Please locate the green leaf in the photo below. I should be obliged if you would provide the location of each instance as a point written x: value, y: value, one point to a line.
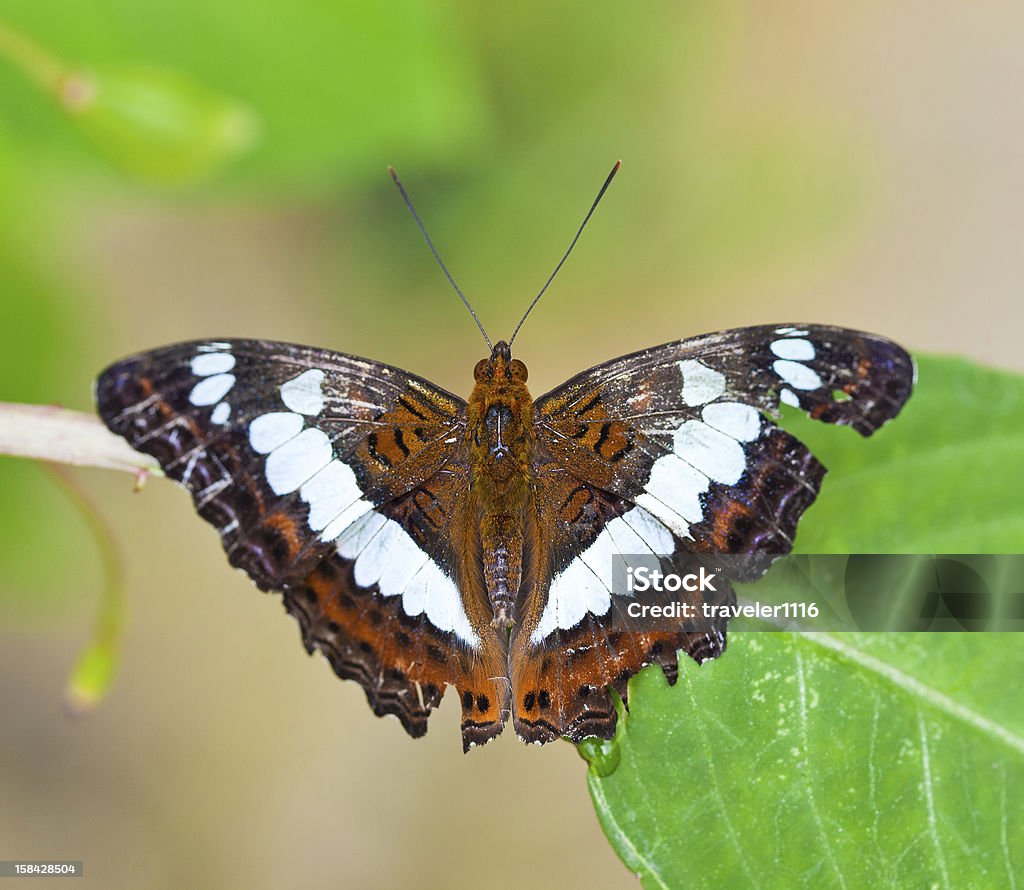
x: 157, y: 123
x: 339, y: 89
x: 824, y: 761
x: 893, y: 760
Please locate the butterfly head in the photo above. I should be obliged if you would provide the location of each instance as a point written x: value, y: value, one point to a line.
x: 500, y: 367
x: 499, y: 418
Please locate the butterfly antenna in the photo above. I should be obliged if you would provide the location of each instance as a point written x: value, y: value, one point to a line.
x: 561, y: 262
x: 433, y: 250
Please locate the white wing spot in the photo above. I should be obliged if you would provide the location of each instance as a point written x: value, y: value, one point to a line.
x: 211, y: 389
x: 624, y: 538
x: 665, y: 514
x: 677, y: 484
x: 794, y: 348
x: 788, y: 397
x: 598, y: 557
x: 585, y: 584
x: 575, y: 591
x: 658, y: 538
x: 329, y: 494
x: 298, y: 460
x: 387, y: 556
x: 303, y: 394
x: 635, y: 550
x: 417, y: 590
x: 742, y: 422
x: 208, y: 363
x: 405, y: 559
x: 701, y: 384
x: 221, y: 413
x: 374, y: 557
x: 713, y: 453
x: 270, y: 431
x: 359, y: 534
x: 797, y: 375
x: 343, y: 520
x: 433, y: 593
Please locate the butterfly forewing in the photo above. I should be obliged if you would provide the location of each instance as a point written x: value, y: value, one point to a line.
x: 687, y: 430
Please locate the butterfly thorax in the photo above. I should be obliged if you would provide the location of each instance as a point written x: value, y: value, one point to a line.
x: 501, y: 443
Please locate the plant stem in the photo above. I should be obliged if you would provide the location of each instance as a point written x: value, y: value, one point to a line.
x: 94, y: 672
x: 55, y: 434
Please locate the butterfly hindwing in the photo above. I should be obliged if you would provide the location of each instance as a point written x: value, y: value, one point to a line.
x: 394, y: 646
x: 577, y: 640
x: 334, y: 480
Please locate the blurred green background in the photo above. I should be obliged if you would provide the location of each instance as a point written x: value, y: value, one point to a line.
x: 219, y: 170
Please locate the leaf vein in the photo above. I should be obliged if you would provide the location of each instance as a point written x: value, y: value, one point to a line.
x: 915, y: 687
x: 719, y: 799
x: 929, y: 798
x: 825, y: 842
x: 1012, y: 882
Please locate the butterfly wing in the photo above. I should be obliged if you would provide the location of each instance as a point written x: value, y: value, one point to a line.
x: 673, y: 452
x: 337, y: 481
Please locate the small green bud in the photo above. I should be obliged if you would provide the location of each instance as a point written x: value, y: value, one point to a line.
x: 603, y: 755
x: 91, y: 678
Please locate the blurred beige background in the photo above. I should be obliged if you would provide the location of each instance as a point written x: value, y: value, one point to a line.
x: 225, y: 757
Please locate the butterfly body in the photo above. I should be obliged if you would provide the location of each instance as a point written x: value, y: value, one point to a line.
x: 501, y: 443
x: 423, y: 541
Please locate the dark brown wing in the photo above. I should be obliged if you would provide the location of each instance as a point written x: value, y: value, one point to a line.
x: 673, y: 450
x: 334, y: 480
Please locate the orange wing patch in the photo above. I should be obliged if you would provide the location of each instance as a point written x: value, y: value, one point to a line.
x: 403, y: 663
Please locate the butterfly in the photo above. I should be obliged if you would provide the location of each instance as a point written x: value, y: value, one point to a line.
x: 423, y: 541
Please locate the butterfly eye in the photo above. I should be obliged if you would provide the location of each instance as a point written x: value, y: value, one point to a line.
x: 480, y: 371
x: 519, y: 371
